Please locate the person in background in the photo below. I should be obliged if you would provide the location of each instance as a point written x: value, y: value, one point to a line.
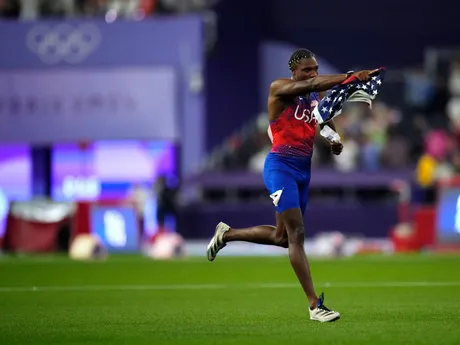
x: 433, y: 165
x: 138, y: 198
x: 395, y: 153
x: 166, y: 202
x: 10, y: 9
x: 34, y: 9
x: 91, y: 8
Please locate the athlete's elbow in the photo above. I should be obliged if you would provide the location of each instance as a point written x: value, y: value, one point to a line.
x: 315, y: 85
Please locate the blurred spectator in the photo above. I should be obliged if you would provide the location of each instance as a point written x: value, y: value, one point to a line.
x: 139, y: 197
x: 453, y: 105
x: 10, y: 8
x: 166, y: 201
x: 419, y: 89
x: 92, y: 7
x: 33, y: 9
x: 130, y: 9
x: 454, y: 79
x: 396, y: 152
x: 126, y: 8
x: 348, y: 160
x: 369, y: 154
x: 434, y: 164
x: 417, y: 129
x: 148, y: 6
x: 182, y: 6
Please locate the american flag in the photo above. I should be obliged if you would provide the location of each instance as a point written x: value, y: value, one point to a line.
x: 350, y: 90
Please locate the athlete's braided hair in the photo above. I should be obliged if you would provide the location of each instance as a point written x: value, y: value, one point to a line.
x: 299, y: 55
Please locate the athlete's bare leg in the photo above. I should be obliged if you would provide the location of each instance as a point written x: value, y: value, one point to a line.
x: 289, y: 233
x: 290, y: 223
x: 260, y: 234
x: 293, y: 221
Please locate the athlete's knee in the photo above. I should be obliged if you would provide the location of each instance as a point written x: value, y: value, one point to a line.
x: 295, y: 229
x: 281, y: 240
x: 297, y: 235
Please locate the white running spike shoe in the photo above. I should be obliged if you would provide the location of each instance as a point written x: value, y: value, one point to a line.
x: 217, y: 242
x: 322, y: 313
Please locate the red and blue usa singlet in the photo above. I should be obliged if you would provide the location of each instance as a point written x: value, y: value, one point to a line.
x: 294, y: 131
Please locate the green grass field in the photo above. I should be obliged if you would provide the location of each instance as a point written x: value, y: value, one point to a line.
x: 133, y: 300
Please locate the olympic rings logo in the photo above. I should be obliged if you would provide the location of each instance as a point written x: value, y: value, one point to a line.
x: 63, y: 42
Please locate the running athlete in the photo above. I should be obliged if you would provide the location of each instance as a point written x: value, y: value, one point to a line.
x: 287, y: 169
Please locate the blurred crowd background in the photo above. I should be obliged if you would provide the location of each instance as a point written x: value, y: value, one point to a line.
x: 423, y: 116
x: 411, y: 134
x: 126, y: 9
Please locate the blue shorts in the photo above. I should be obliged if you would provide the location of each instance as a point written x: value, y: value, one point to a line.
x: 287, y: 180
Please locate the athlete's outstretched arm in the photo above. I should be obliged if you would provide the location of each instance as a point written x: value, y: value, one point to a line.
x: 288, y: 87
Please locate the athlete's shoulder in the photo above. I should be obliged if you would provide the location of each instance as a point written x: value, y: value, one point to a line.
x: 278, y: 83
